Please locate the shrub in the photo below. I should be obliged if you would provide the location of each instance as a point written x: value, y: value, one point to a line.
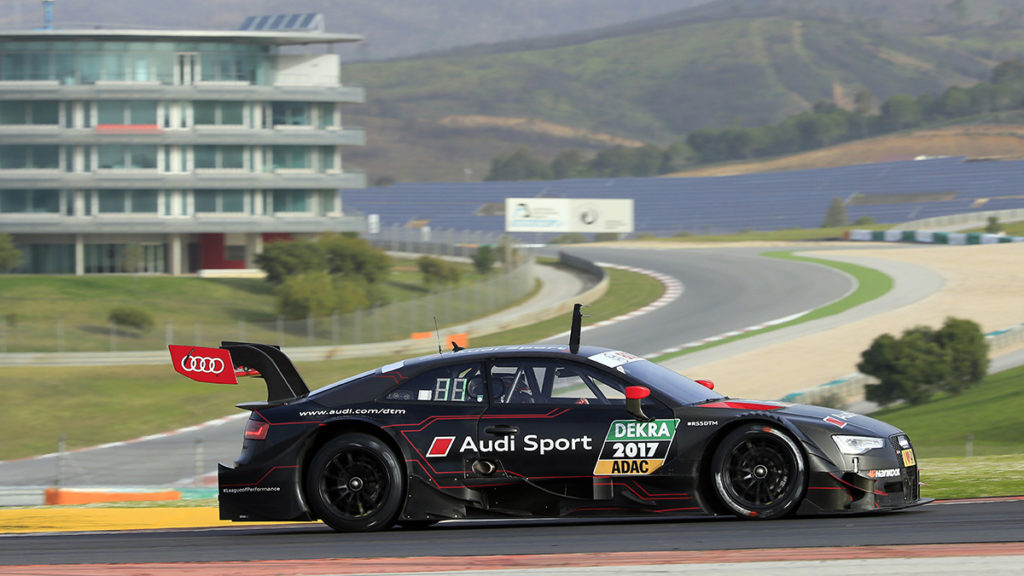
x: 437, y: 272
x: 993, y: 226
x: 131, y: 317
x: 317, y: 294
x: 483, y: 259
x: 281, y: 260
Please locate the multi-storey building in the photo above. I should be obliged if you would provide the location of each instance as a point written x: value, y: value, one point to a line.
x: 170, y: 151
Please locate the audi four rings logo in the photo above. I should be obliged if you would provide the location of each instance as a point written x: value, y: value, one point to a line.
x: 202, y: 364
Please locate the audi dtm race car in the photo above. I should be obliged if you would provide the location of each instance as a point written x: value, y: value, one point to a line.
x: 538, y: 431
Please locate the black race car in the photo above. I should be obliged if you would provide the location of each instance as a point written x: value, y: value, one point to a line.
x: 538, y: 431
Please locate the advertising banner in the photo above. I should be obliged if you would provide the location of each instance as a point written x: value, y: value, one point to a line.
x: 561, y: 215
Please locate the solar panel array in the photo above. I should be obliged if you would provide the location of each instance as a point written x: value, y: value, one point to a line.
x: 301, y: 22
x: 887, y: 192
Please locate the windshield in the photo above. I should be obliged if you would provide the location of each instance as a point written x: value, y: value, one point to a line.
x: 668, y: 382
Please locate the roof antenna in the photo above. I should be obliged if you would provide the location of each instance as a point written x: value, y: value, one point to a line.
x: 438, y: 334
x: 574, y: 331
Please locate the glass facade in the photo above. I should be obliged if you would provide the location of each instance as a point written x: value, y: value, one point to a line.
x: 89, y: 61
x: 30, y: 201
x: 22, y: 112
x: 29, y: 157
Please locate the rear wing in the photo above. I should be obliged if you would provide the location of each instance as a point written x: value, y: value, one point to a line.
x: 223, y: 365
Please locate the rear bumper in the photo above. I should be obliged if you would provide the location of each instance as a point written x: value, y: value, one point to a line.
x: 249, y: 494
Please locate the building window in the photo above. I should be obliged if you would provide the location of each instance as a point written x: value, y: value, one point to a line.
x: 291, y: 157
x: 326, y: 115
x: 128, y: 201
x: 290, y: 113
x: 226, y: 157
x: 21, y: 112
x: 291, y: 201
x: 327, y: 158
x: 220, y: 201
x: 122, y: 112
x: 29, y: 157
x: 120, y: 258
x: 30, y: 201
x: 120, y: 157
x: 217, y: 113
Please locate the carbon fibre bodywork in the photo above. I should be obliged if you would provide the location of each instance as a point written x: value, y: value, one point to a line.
x: 560, y: 441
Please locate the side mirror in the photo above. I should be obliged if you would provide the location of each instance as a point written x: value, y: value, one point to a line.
x: 634, y: 397
x: 707, y: 384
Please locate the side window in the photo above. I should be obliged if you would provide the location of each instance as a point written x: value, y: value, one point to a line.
x: 460, y: 383
x: 552, y: 382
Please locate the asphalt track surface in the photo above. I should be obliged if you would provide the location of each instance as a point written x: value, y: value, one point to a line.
x: 938, y: 523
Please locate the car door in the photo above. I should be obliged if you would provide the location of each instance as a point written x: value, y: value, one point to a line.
x: 548, y: 422
x: 443, y: 405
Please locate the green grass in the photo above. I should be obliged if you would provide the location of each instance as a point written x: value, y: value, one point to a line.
x: 94, y: 405
x: 992, y: 413
x: 972, y: 477
x: 36, y: 307
x: 871, y: 284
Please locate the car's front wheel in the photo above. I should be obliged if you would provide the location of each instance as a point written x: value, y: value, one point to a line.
x: 759, y: 472
x: 355, y: 483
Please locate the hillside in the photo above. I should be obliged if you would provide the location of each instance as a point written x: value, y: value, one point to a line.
x: 1000, y: 142
x: 726, y: 63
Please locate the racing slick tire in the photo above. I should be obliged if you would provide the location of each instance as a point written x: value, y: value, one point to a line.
x: 355, y: 484
x: 759, y: 472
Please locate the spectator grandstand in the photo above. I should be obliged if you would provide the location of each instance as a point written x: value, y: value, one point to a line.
x: 890, y: 192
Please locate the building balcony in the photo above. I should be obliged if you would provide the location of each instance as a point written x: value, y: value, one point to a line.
x: 155, y: 224
x: 54, y: 90
x: 154, y: 180
x: 200, y: 135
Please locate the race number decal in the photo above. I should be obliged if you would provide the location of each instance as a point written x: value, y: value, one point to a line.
x: 634, y: 448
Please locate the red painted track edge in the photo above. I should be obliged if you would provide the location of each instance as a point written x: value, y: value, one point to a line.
x: 532, y: 561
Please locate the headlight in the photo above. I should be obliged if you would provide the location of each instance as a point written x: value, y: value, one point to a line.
x: 858, y: 444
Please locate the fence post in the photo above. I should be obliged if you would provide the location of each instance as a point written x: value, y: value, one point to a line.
x: 169, y: 332
x: 198, y: 462
x: 62, y: 446
x: 309, y: 330
x: 113, y: 338
x: 197, y: 332
x: 241, y: 329
x: 334, y: 328
x: 3, y: 336
x: 969, y: 447
x: 280, y: 331
x: 60, y: 334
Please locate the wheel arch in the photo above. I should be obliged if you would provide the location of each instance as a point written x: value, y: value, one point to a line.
x: 329, y: 430
x: 705, y: 484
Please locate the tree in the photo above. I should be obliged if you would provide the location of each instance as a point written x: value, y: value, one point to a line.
x: 993, y: 226
x: 965, y: 343
x: 864, y: 102
x: 1008, y: 71
x: 318, y: 294
x: 349, y: 255
x: 10, y: 256
x: 900, y: 111
x: 836, y: 215
x: 520, y: 165
x: 568, y: 164
x: 925, y: 361
x: 437, y: 272
x: 483, y: 259
x: 281, y: 260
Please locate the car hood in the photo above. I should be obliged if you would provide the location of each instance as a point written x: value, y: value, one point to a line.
x: 838, y: 421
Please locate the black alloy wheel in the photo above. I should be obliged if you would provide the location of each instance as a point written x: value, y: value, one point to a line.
x: 759, y: 472
x: 355, y: 483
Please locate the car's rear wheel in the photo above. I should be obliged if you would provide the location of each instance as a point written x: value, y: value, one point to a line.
x: 355, y: 483
x: 759, y: 472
